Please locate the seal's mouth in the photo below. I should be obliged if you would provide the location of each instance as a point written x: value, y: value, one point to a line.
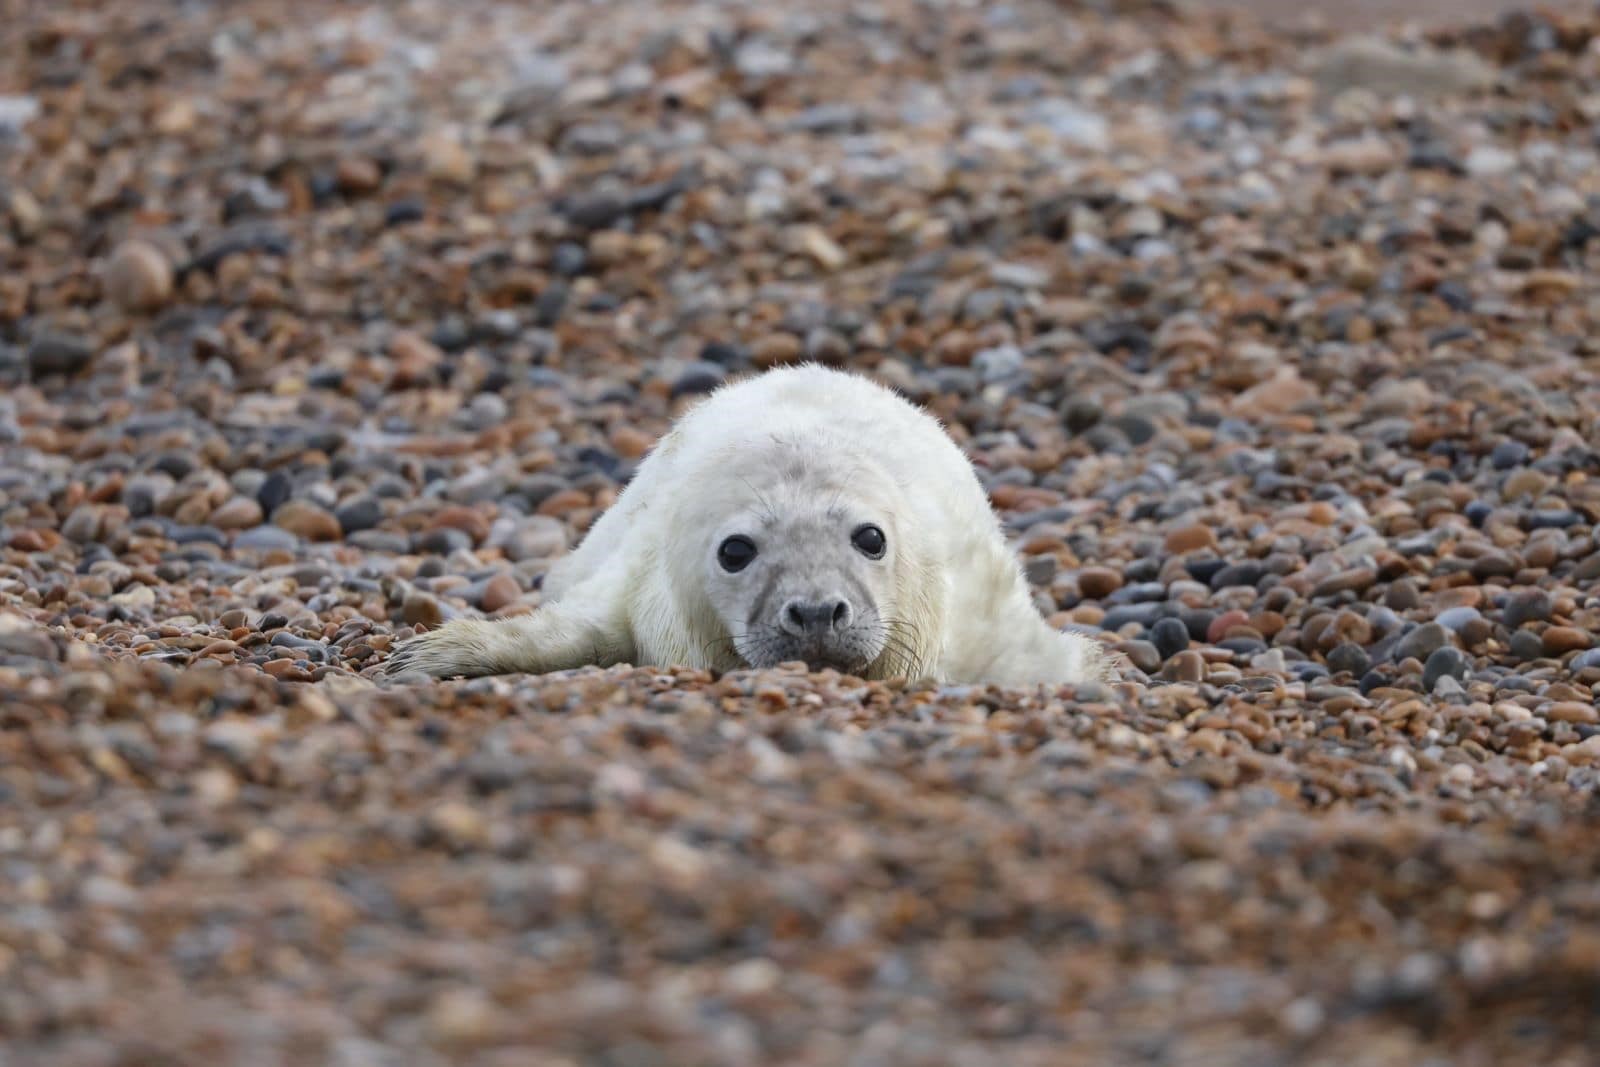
x: 840, y: 664
x: 848, y: 656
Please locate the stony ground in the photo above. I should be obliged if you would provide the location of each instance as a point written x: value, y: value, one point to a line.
x: 1276, y: 352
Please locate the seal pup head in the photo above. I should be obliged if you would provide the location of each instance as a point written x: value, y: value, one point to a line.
x: 802, y: 559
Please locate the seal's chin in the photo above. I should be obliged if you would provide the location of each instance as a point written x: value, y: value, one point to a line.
x: 847, y: 658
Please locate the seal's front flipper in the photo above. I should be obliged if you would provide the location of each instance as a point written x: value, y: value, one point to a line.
x: 565, y: 635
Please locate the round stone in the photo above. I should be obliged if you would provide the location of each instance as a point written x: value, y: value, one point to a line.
x: 1169, y: 636
x: 1349, y: 658
x: 1445, y: 662
x: 138, y: 276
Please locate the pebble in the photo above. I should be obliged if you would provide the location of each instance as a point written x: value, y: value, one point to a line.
x: 1097, y: 583
x: 1354, y: 580
x: 1187, y: 667
x: 1529, y: 605
x: 265, y: 539
x: 55, y: 353
x: 776, y: 349
x: 1349, y: 658
x: 446, y: 159
x: 535, y: 537
x: 1444, y: 662
x: 1526, y: 646
x: 420, y: 609
x: 237, y: 513
x: 359, y: 513
x: 1141, y: 654
x: 138, y: 276
x: 698, y: 378
x: 500, y: 591
x: 1422, y: 642
x: 1169, y: 636
x: 1559, y: 640
x: 307, y: 520
x: 1190, y: 538
x: 1458, y: 619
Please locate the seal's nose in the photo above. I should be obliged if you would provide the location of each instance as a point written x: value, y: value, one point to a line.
x: 816, y: 618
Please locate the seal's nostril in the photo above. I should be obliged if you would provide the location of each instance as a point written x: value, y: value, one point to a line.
x: 815, y: 618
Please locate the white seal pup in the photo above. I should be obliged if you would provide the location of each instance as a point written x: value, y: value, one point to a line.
x: 803, y: 514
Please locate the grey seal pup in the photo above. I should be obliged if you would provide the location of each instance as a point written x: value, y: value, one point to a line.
x: 804, y: 514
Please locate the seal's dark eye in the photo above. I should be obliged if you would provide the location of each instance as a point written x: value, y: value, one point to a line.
x: 736, y: 553
x: 869, y: 541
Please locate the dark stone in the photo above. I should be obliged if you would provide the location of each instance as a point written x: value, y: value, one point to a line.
x: 1248, y: 573
x: 361, y: 513
x: 442, y: 542
x: 1508, y: 454
x: 1080, y: 414
x: 1445, y: 662
x: 402, y: 212
x: 451, y: 334
x: 1552, y: 519
x: 550, y: 303
x: 569, y: 259
x: 275, y: 490
x: 1107, y: 438
x: 1136, y: 428
x: 1144, y: 614
x: 1142, y: 570
x: 1138, y: 594
x: 1349, y: 658
x: 177, y: 464
x: 595, y: 211
x: 725, y: 354
x: 1422, y: 642
x: 1198, y: 622
x: 1455, y: 295
x: 698, y: 378
x: 1526, y: 646
x: 1308, y: 671
x: 245, y: 238
x: 1530, y: 605
x: 57, y: 353
x: 1170, y: 636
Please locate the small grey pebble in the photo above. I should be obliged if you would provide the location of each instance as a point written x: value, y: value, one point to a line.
x: 1422, y: 642
x: 1445, y: 662
x: 1530, y: 605
x: 1349, y: 658
x: 1142, y: 654
x: 1526, y: 646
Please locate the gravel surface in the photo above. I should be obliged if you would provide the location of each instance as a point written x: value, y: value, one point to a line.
x: 322, y: 322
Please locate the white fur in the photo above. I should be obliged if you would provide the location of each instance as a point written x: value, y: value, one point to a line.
x: 641, y: 589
